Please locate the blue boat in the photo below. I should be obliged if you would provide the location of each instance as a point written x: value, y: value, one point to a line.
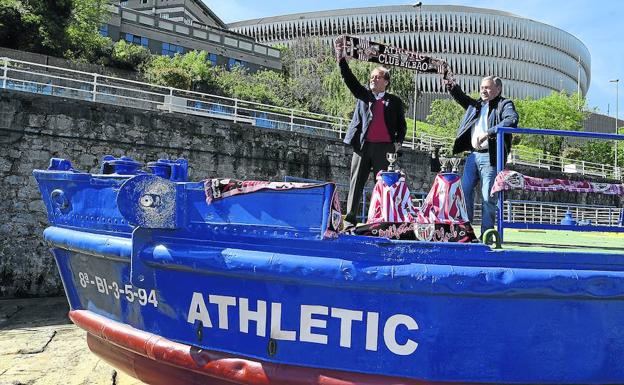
x: 175, y: 286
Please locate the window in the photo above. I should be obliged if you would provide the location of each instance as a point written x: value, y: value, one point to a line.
x: 104, y: 30
x: 123, y: 3
x: 233, y: 62
x: 213, y: 58
x: 135, y: 39
x: 171, y: 49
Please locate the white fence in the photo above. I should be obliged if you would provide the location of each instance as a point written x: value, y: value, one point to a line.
x: 571, y: 166
x: 56, y: 81
x: 553, y: 213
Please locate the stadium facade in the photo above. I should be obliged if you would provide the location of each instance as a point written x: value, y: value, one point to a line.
x: 531, y: 57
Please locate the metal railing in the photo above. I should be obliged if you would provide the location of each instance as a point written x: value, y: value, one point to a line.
x: 63, y: 82
x: 566, y: 165
x: 529, y: 158
x: 587, y: 226
x: 56, y: 81
x: 552, y: 213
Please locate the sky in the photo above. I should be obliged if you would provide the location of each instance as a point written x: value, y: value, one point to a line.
x: 599, y: 24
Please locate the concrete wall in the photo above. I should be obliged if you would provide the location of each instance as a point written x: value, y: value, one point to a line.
x: 34, y: 128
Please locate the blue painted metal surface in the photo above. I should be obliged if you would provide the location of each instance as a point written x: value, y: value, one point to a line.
x: 254, y: 269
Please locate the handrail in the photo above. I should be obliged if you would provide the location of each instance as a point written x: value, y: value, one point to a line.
x: 500, y: 161
x: 40, y: 78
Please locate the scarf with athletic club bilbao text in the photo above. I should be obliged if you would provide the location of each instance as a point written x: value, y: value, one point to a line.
x: 387, y: 55
x: 509, y: 180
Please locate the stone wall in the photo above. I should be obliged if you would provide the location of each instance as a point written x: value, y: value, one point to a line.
x: 34, y: 128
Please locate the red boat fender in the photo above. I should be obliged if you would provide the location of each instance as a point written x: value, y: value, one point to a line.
x: 159, y: 361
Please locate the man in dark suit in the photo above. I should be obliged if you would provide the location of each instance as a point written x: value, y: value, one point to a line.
x: 477, y: 134
x: 378, y: 127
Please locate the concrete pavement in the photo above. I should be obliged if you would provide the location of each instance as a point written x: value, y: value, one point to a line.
x: 40, y: 346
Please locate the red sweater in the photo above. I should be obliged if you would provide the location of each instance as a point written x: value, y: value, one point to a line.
x: 377, y: 131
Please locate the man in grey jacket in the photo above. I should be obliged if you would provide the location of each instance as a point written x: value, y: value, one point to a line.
x: 477, y: 134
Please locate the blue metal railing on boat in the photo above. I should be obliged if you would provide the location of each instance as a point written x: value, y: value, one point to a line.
x: 500, y: 164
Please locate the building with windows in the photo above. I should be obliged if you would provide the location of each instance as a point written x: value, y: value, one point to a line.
x: 167, y: 27
x: 531, y: 57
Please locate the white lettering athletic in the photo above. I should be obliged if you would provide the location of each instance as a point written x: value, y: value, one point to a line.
x: 313, y: 323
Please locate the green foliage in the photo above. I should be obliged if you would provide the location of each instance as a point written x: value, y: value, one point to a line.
x: 446, y: 115
x: 191, y: 70
x: 316, y: 83
x: 310, y: 68
x: 558, y: 111
x: 572, y: 153
x: 129, y: 56
x: 18, y: 24
x: 335, y: 97
x: 84, y: 40
x: 266, y: 86
x: 65, y: 28
x: 529, y: 153
x: 35, y: 25
x: 597, y: 151
x: 55, y: 16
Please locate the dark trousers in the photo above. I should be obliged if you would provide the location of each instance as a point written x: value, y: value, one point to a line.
x: 372, y: 157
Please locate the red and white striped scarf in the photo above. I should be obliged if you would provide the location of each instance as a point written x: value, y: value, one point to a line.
x: 391, y: 203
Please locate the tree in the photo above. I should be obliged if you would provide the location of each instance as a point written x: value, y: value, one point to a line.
x: 18, y: 24
x: 85, y: 43
x: 266, y: 86
x: 65, y: 28
x: 310, y: 67
x: 308, y: 64
x: 35, y: 25
x: 598, y: 151
x: 558, y: 111
x: 446, y: 114
x: 129, y: 56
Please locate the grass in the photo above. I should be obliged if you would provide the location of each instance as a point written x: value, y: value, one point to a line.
x: 552, y: 240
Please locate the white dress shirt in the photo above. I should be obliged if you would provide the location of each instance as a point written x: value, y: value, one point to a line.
x: 480, y: 128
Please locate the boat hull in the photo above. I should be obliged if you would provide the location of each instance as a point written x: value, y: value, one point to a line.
x: 431, y: 323
x: 261, y: 279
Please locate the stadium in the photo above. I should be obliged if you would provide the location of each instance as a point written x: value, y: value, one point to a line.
x: 531, y: 57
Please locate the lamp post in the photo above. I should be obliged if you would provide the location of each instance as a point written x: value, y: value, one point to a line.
x: 617, y: 104
x: 418, y: 21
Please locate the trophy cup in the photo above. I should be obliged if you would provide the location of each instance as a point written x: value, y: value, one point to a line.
x: 444, y: 162
x: 455, y: 164
x: 392, y: 157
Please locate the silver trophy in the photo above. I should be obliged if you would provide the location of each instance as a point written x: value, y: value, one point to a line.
x: 455, y: 164
x: 450, y: 164
x: 444, y: 163
x: 392, y: 157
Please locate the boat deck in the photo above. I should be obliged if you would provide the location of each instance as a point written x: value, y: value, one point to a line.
x: 563, y: 241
